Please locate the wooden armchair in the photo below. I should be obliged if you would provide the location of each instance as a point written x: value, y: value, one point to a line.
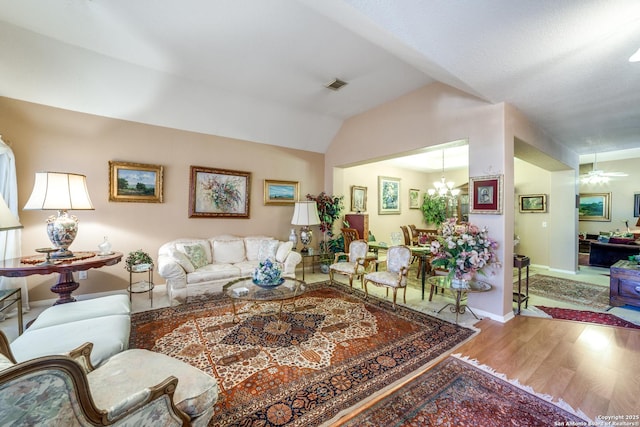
x: 357, y: 262
x: 68, y: 390
x: 395, y: 276
x: 349, y: 235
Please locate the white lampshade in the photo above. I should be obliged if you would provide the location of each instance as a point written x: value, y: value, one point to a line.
x: 305, y: 213
x: 59, y: 191
x: 8, y: 220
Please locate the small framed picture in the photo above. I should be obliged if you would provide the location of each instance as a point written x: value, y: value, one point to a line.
x: 135, y: 182
x: 280, y: 192
x: 486, y: 194
x: 358, y: 199
x: 594, y: 207
x: 218, y: 193
x: 388, y: 195
x: 414, y: 199
x: 533, y: 203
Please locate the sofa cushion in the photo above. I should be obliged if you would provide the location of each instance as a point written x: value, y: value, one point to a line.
x: 80, y: 310
x: 109, y: 335
x: 252, y: 246
x: 283, y: 251
x: 182, y: 260
x: 128, y: 372
x: 180, y: 245
x: 268, y: 250
x: 196, y: 253
x: 5, y: 362
x: 228, y: 251
x: 214, y: 271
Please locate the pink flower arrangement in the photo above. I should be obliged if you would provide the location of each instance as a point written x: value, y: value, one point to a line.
x: 463, y: 249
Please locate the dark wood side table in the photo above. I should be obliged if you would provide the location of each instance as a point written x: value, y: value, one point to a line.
x: 520, y: 262
x: 66, y: 284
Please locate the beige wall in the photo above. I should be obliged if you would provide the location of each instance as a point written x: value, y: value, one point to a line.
x: 622, y: 190
x: 45, y: 138
x: 433, y: 115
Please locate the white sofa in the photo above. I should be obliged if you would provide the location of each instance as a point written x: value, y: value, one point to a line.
x: 196, y: 266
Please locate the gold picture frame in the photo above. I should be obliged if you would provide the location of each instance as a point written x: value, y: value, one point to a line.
x: 218, y: 193
x: 280, y: 192
x: 486, y: 194
x: 135, y: 182
x: 594, y: 207
x: 533, y: 203
x: 358, y: 198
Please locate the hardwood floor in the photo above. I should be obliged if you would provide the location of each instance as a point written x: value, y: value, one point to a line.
x: 593, y: 368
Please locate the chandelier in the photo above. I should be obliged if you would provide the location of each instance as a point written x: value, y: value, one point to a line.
x: 443, y: 188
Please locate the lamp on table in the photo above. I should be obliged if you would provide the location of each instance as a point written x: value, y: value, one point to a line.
x: 305, y: 214
x: 60, y: 191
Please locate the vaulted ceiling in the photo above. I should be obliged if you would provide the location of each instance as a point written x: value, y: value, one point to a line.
x: 257, y: 69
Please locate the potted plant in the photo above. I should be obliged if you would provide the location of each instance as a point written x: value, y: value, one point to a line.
x: 138, y: 260
x: 434, y: 208
x: 329, y: 209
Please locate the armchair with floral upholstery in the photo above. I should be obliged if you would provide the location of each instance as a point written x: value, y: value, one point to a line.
x: 67, y: 390
x: 356, y: 264
x: 395, y: 275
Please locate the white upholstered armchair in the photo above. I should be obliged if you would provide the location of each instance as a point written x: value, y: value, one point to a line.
x: 356, y: 263
x: 395, y: 276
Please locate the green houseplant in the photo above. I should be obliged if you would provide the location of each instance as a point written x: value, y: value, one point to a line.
x: 137, y: 259
x: 329, y: 209
x: 434, y: 209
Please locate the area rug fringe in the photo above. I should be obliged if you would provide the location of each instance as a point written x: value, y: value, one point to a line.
x: 363, y: 405
x: 546, y: 397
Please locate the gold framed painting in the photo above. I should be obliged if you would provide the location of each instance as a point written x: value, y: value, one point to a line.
x: 135, y: 182
x: 358, y: 198
x: 218, y: 193
x: 280, y: 192
x: 594, y: 207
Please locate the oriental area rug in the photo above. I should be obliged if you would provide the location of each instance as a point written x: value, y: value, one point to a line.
x: 461, y: 393
x: 588, y: 316
x: 329, y: 352
x: 570, y: 291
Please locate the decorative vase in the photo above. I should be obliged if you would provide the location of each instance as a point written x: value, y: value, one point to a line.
x: 293, y: 238
x: 324, y: 268
x: 105, y: 247
x: 459, y: 283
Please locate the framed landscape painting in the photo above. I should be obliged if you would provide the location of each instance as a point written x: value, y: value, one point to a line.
x: 533, y: 203
x: 218, y: 193
x: 388, y: 195
x: 594, y: 207
x: 280, y: 192
x: 135, y: 182
x: 486, y: 194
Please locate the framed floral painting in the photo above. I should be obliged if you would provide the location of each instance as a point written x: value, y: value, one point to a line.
x: 358, y: 199
x: 218, y: 193
x: 388, y: 195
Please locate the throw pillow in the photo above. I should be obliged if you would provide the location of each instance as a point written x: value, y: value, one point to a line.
x: 196, y: 255
x: 228, y: 251
x: 252, y: 246
x: 283, y: 251
x: 268, y: 249
x: 182, y: 260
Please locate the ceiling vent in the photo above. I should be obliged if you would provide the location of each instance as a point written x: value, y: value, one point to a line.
x: 336, y: 84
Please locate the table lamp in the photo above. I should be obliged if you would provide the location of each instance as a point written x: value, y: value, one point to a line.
x: 60, y: 191
x: 8, y: 220
x: 305, y: 214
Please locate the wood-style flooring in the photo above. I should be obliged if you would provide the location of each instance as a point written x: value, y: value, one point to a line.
x: 593, y: 368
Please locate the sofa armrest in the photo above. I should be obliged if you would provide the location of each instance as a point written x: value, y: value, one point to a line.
x: 290, y: 263
x: 170, y: 269
x: 82, y: 355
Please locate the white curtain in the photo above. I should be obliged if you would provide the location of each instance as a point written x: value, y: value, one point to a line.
x: 10, y: 240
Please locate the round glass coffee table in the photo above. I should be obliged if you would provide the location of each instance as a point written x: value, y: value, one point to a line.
x: 471, y: 286
x: 244, y: 290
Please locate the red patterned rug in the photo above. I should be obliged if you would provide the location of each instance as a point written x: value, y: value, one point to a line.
x: 329, y: 353
x: 587, y: 316
x: 461, y: 394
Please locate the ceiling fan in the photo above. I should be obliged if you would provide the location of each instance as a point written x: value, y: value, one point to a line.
x: 598, y: 176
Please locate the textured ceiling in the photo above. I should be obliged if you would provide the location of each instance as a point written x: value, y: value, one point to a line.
x: 256, y: 70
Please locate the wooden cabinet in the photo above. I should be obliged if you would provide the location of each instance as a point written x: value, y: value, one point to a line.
x: 624, y: 284
x: 360, y: 222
